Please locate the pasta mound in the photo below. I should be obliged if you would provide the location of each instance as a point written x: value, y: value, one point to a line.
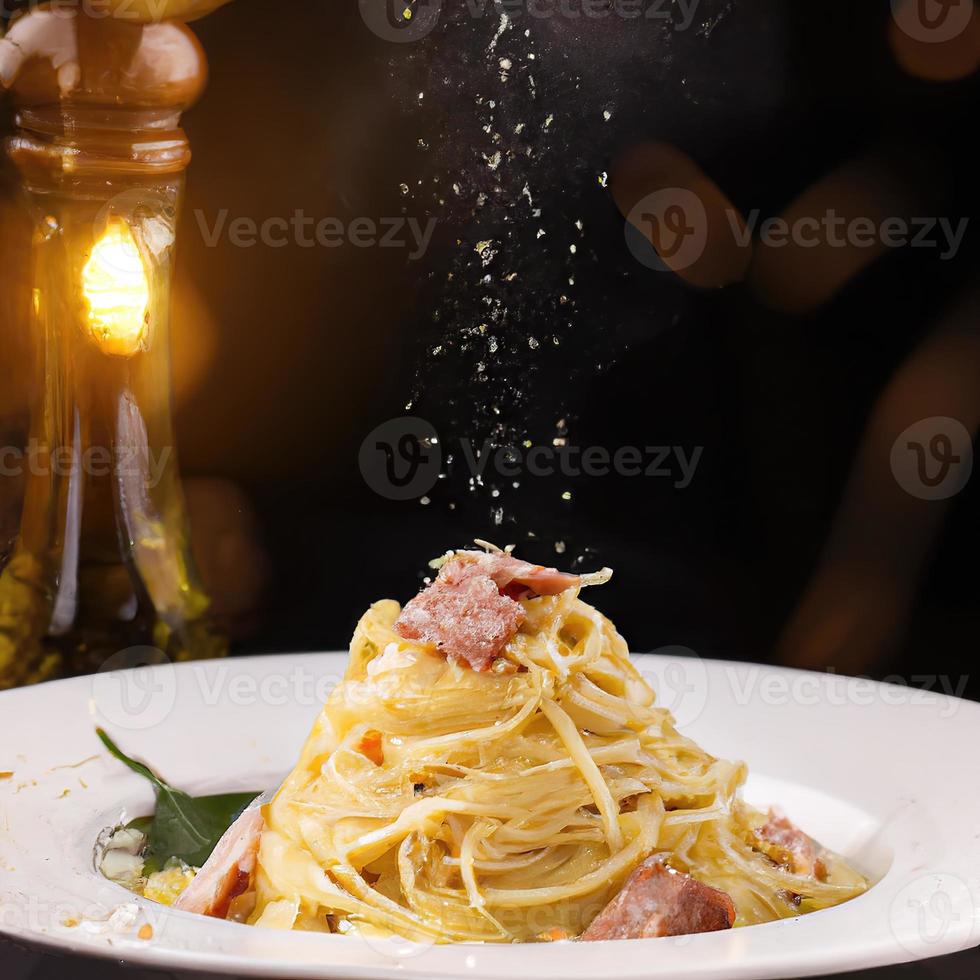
x: 443, y: 804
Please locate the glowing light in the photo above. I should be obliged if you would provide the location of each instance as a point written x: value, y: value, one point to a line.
x: 117, y: 291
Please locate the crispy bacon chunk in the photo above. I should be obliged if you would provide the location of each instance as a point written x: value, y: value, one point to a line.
x: 786, y: 844
x: 658, y: 901
x: 470, y: 612
x: 371, y: 745
x: 467, y: 620
x: 513, y: 575
x: 227, y: 874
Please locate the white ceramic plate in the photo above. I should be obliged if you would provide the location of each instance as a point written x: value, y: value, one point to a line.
x: 886, y: 775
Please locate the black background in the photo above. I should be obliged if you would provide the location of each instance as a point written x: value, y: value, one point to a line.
x: 316, y: 349
x: 286, y: 358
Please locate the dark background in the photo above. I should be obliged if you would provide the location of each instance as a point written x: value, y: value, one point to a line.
x: 312, y: 348
x: 286, y: 358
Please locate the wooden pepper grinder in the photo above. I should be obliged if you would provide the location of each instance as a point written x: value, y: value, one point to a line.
x: 102, y: 562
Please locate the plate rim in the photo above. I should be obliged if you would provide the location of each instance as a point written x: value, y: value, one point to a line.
x: 833, y: 958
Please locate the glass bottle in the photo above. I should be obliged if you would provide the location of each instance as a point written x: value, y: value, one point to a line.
x: 102, y: 561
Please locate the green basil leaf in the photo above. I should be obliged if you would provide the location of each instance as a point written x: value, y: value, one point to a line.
x: 183, y: 826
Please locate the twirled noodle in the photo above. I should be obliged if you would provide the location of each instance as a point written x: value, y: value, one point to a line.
x: 445, y: 804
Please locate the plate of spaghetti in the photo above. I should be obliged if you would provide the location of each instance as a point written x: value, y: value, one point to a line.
x: 492, y: 784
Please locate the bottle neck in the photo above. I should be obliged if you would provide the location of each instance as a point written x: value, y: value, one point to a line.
x: 56, y: 147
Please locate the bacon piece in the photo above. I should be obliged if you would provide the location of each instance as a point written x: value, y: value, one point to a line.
x: 371, y: 746
x: 468, y: 620
x: 227, y: 874
x: 470, y: 612
x: 791, y: 847
x: 509, y: 572
x: 657, y: 901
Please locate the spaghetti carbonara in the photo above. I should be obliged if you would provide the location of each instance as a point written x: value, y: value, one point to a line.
x: 446, y: 803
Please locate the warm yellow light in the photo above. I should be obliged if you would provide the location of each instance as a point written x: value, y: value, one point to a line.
x: 117, y: 291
